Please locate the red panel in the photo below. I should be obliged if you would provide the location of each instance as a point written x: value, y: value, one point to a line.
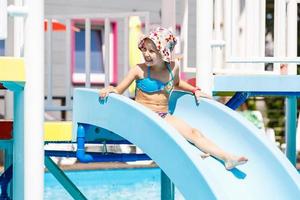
x: 6, y: 128
x: 57, y: 26
x: 192, y: 81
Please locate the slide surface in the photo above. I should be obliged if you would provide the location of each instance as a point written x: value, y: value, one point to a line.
x: 267, y: 175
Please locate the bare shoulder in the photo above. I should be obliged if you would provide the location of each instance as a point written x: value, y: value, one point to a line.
x: 175, y: 69
x: 174, y: 66
x: 141, y: 66
x: 141, y: 69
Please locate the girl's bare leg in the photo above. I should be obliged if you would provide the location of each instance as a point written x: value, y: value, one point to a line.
x: 204, y: 144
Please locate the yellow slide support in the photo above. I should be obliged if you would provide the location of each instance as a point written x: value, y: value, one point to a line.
x: 12, y: 69
x: 58, y: 131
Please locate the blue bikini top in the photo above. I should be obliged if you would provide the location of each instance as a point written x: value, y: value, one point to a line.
x: 150, y: 85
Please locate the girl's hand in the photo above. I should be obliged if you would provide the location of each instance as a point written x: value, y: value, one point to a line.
x: 199, y: 94
x: 103, y: 93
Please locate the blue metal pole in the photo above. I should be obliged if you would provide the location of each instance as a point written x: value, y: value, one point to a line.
x: 8, y: 162
x: 290, y: 128
x: 238, y: 99
x: 81, y: 155
x: 100, y: 157
x: 4, y: 180
x: 167, y: 187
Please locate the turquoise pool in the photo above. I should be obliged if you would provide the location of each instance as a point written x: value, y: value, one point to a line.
x: 129, y: 184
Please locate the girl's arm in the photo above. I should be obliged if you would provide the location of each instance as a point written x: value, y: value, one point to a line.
x: 125, y: 83
x: 183, y: 85
x: 180, y: 84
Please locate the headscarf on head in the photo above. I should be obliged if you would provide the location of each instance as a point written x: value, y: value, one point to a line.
x: 164, y: 41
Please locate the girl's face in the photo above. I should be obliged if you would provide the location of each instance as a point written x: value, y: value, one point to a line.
x: 151, y: 54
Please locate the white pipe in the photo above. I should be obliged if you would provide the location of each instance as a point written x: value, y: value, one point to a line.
x: 251, y: 31
x: 126, y: 46
x: 49, y: 61
x: 218, y: 42
x: 255, y: 31
x: 292, y: 40
x: 234, y: 28
x: 87, y: 52
x: 250, y: 28
x: 279, y: 31
x: 17, y: 11
x: 262, y: 28
x: 126, y: 50
x: 184, y: 34
x: 18, y: 33
x: 242, y: 34
x: 34, y: 101
x: 204, y: 75
x: 107, y: 52
x: 68, y: 62
x: 3, y: 19
x: 262, y: 31
x: 227, y: 29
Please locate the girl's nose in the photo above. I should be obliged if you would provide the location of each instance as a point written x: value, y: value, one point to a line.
x: 146, y: 53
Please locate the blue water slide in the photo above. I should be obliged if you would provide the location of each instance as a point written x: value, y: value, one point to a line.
x: 267, y: 175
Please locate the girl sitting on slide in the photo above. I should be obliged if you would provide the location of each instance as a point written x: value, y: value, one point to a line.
x: 155, y: 80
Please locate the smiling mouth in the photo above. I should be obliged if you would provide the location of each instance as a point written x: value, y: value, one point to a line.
x: 148, y: 59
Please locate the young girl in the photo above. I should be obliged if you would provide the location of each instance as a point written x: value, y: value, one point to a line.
x: 155, y: 80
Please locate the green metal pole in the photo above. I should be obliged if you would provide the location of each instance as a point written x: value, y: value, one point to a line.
x: 167, y: 187
x: 63, y: 179
x: 290, y: 128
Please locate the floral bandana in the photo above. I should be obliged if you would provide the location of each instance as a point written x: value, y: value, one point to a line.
x: 164, y: 41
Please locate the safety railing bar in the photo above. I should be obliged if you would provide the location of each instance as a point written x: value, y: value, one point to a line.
x: 49, y: 60
x: 68, y: 62
x: 88, y: 52
x: 99, y: 15
x: 263, y: 60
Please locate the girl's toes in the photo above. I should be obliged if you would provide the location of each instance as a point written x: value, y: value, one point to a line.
x: 232, y: 163
x: 205, y: 155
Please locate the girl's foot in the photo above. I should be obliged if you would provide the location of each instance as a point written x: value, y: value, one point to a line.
x: 235, y: 161
x: 204, y: 155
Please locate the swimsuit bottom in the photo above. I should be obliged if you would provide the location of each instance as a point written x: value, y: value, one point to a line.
x: 162, y: 114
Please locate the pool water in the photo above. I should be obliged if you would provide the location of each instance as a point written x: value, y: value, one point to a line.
x: 129, y: 184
